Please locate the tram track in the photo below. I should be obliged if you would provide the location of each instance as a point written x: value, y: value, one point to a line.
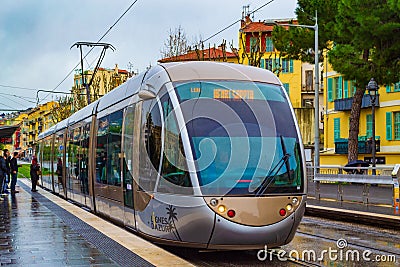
x: 345, y: 227
x: 305, y: 240
x: 355, y: 245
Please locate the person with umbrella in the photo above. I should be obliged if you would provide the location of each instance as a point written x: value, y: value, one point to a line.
x: 355, y: 166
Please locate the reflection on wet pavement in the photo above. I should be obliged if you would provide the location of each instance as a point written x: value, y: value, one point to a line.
x: 30, y: 234
x: 345, y: 244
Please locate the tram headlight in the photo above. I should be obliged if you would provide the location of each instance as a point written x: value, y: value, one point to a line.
x: 295, y: 201
x: 213, y: 202
x: 289, y: 207
x: 221, y: 208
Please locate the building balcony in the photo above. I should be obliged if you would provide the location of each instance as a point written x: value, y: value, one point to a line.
x: 364, y: 145
x: 346, y: 103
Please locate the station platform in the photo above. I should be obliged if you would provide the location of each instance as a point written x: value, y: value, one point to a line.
x: 41, y: 229
x: 377, y: 215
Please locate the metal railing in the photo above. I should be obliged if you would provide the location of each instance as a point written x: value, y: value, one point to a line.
x: 338, y: 183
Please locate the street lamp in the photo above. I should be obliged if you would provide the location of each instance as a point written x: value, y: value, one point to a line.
x: 372, y: 88
x: 316, y: 89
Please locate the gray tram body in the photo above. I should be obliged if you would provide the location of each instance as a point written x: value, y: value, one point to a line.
x: 117, y: 152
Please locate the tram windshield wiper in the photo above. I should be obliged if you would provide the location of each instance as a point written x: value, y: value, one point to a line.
x: 270, y: 177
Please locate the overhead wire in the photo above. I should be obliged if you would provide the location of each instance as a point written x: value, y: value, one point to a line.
x: 10, y: 100
x: 17, y: 87
x: 90, y: 50
x: 227, y: 27
x: 23, y: 98
x: 123, y: 14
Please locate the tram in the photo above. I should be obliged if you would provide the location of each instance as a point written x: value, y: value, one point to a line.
x: 198, y: 154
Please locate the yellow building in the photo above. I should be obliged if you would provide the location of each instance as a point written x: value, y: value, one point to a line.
x: 256, y: 48
x: 37, y: 120
x: 338, y: 101
x: 104, y: 81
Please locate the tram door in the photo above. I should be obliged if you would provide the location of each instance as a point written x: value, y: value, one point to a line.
x: 129, y: 164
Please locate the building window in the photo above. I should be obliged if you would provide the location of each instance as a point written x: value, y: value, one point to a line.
x: 309, y: 80
x: 287, y: 65
x: 336, y: 128
x: 253, y: 44
x: 269, y: 46
x: 396, y: 125
x: 268, y: 64
x: 397, y: 87
x: 338, y: 85
x: 262, y: 63
x: 393, y: 88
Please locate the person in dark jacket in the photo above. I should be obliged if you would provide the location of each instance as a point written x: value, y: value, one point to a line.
x: 14, y: 172
x: 35, y: 168
x: 7, y: 159
x: 3, y: 170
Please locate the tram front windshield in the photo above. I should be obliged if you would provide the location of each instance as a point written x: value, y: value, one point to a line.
x: 243, y: 137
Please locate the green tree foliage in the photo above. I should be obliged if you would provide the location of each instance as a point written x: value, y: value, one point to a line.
x: 298, y: 43
x: 366, y: 44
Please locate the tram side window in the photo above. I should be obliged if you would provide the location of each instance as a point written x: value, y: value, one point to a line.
x: 46, y: 167
x: 58, y: 160
x: 114, y: 148
x: 101, y: 150
x: 150, y: 153
x: 108, y: 168
x: 82, y: 159
x: 176, y: 178
x: 129, y: 122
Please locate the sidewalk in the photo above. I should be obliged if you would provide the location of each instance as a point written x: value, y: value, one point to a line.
x: 32, y: 235
x: 41, y: 229
x: 354, y: 206
x: 381, y: 216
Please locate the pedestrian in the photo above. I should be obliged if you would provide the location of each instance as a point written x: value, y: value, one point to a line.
x: 14, y: 172
x: 59, y: 170
x: 7, y: 158
x: 3, y: 170
x: 34, y: 172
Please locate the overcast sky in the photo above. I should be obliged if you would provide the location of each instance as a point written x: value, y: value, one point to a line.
x: 36, y: 36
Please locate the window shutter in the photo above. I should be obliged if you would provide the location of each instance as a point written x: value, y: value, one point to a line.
x: 339, y: 89
x: 346, y: 89
x: 291, y: 66
x: 389, y: 126
x: 336, y: 128
x: 330, y: 89
x: 262, y: 63
x: 388, y: 89
x: 369, y: 126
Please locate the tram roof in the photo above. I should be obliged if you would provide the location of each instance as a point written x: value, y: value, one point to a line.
x: 209, y: 70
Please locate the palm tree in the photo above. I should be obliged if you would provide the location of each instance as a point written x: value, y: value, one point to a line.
x: 172, y: 216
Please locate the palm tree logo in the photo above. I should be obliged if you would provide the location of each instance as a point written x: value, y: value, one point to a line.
x: 172, y: 217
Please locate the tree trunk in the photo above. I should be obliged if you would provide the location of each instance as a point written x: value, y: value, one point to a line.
x: 354, y: 125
